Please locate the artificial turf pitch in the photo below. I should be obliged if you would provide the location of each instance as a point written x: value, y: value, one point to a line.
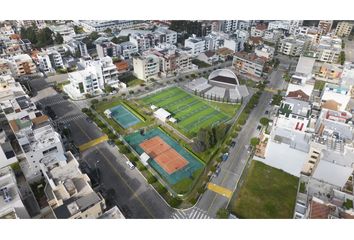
x: 191, y: 112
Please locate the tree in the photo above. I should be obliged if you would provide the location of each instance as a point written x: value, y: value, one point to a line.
x: 254, y: 141
x: 58, y: 39
x: 342, y: 58
x: 264, y: 121
x: 108, y: 89
x: 108, y: 30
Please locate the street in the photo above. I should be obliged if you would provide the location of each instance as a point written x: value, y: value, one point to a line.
x: 134, y: 196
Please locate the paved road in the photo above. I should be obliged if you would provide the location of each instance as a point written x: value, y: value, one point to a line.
x: 133, y: 195
x: 232, y: 169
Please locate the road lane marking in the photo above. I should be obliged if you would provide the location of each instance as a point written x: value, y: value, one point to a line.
x: 220, y: 190
x: 120, y: 176
x: 93, y: 143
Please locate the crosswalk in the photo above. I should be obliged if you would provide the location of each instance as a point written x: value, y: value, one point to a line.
x: 70, y: 118
x: 195, y: 213
x: 50, y: 101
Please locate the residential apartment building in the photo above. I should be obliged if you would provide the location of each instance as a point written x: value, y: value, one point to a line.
x: 280, y: 24
x: 335, y: 97
x: 83, y: 49
x: 5, y: 67
x: 294, y: 114
x: 106, y: 48
x: 325, y: 25
x: 84, y: 81
x: 293, y: 46
x: 142, y: 41
x: 22, y: 65
x: 165, y: 35
x: 229, y: 26
x: 343, y: 29
x: 264, y: 51
x: 248, y: 63
x: 258, y: 30
x: 146, y: 66
x: 68, y: 190
x: 102, y: 25
x: 66, y: 31
x: 11, y: 204
x: 127, y: 49
x: 196, y: 45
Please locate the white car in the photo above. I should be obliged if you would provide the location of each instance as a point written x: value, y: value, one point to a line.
x: 129, y: 163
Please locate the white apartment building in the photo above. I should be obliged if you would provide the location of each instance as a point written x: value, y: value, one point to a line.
x: 109, y: 71
x: 229, y: 26
x: 83, y: 49
x: 197, y: 45
x: 237, y: 42
x: 146, y: 66
x: 127, y: 49
x: 280, y: 24
x: 50, y: 60
x: 11, y: 205
x: 68, y: 190
x: 102, y: 25
x: 6, y: 30
x: 22, y: 65
x: 344, y: 29
x: 165, y: 35
x: 86, y: 81
x: 67, y: 32
x: 335, y: 97
x: 294, y: 114
x: 265, y: 51
x: 92, y: 78
x: 258, y: 30
x: 107, y: 48
x: 293, y: 46
x: 243, y: 25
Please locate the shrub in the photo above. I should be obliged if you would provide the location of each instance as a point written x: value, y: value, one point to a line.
x: 124, y: 150
x: 222, y: 213
x: 193, y: 200
x: 151, y: 179
x: 85, y: 110
x: 94, y: 101
x: 213, y: 168
x: 174, y: 202
x: 111, y: 136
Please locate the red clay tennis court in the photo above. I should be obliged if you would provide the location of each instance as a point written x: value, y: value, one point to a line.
x: 168, y: 158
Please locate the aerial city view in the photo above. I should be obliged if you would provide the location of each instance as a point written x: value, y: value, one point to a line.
x: 176, y: 119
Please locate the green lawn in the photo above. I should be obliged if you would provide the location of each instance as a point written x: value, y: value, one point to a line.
x: 200, y: 64
x: 266, y: 193
x: 191, y: 112
x: 131, y: 80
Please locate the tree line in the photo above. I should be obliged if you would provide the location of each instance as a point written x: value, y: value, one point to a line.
x: 41, y: 37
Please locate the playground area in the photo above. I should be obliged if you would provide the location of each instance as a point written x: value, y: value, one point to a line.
x: 167, y: 157
x: 192, y: 113
x: 123, y: 116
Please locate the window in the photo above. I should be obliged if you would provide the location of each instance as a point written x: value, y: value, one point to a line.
x: 49, y: 150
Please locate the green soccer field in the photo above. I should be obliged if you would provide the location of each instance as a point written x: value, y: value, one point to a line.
x: 191, y: 112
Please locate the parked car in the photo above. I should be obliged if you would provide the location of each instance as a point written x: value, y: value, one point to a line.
x: 233, y: 144
x: 225, y: 156
x: 130, y: 164
x: 259, y: 127
x: 218, y: 170
x: 266, y: 112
